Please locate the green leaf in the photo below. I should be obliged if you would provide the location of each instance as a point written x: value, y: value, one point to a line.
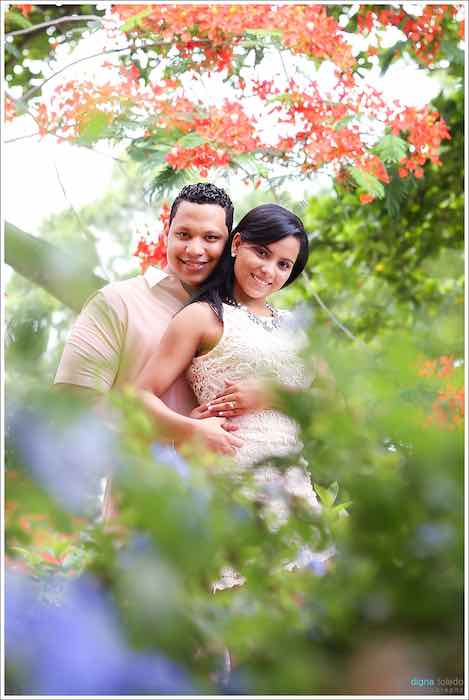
x: 191, y: 140
x: 388, y: 56
x: 39, y: 47
x: 134, y: 21
x: 391, y: 148
x: 343, y: 122
x: 19, y: 20
x: 333, y: 490
x: 249, y: 161
x: 367, y: 181
x: 396, y: 192
x: 327, y: 495
x: 94, y: 128
x: 167, y: 179
x: 263, y: 33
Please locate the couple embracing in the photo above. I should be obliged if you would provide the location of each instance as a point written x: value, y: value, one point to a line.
x: 201, y: 341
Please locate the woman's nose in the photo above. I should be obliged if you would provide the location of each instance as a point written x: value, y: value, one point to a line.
x: 267, y: 267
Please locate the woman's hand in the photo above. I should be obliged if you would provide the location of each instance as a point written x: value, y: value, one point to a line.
x: 215, y: 434
x: 237, y: 399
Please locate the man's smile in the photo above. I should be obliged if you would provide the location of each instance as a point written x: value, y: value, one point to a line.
x: 193, y: 264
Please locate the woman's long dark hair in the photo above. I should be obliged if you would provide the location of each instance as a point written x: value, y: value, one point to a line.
x: 264, y: 224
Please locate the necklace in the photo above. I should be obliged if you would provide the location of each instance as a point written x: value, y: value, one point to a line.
x: 267, y: 322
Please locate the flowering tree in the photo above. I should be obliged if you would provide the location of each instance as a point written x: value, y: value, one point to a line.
x: 165, y: 44
x: 153, y: 102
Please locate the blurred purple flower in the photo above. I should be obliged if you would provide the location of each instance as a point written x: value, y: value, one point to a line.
x: 76, y: 646
x: 169, y: 456
x: 431, y: 538
x: 68, y: 462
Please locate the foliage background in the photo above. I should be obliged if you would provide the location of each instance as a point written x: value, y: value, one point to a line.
x: 134, y: 598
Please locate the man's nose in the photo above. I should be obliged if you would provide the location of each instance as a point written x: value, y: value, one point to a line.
x: 195, y: 247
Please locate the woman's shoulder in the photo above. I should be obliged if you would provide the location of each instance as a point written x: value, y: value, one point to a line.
x: 197, y: 312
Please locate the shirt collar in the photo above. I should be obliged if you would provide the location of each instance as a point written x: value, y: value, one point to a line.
x: 154, y: 275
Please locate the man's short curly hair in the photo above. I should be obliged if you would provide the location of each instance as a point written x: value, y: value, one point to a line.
x: 205, y: 193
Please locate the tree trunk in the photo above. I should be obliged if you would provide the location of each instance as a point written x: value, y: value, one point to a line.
x: 53, y: 269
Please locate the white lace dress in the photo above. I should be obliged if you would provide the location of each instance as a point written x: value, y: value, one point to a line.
x: 261, y: 348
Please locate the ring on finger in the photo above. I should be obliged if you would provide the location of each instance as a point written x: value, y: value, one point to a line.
x: 232, y: 404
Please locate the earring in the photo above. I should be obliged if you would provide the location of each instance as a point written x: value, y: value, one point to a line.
x: 233, y: 255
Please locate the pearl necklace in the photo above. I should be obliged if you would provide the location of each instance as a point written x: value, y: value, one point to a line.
x: 267, y: 322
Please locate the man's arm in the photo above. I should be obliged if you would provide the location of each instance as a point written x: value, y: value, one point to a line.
x: 92, y: 352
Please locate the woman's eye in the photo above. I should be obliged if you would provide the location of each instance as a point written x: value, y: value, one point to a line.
x: 182, y: 234
x: 284, y: 266
x: 261, y: 252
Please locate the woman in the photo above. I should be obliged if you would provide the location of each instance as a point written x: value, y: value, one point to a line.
x: 230, y: 331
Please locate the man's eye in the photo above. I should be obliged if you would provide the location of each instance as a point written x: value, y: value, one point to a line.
x: 182, y: 234
x: 212, y: 238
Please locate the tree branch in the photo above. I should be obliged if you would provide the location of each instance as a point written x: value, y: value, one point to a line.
x: 59, y: 273
x: 56, y: 135
x: 38, y: 88
x: 83, y: 226
x: 50, y: 23
x: 331, y: 315
x: 20, y: 138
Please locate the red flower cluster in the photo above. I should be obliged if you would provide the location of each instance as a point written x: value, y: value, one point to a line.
x: 424, y: 129
x: 319, y: 128
x: 10, y: 109
x: 202, y: 157
x: 151, y: 253
x: 424, y: 30
x: 448, y: 406
x: 375, y: 166
x: 25, y: 9
x: 212, y: 30
x: 441, y: 367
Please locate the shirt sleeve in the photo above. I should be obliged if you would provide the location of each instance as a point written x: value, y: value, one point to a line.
x: 94, y: 347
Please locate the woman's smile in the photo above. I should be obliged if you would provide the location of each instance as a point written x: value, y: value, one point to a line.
x: 260, y: 281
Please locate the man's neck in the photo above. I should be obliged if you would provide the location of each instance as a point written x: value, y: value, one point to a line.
x: 178, y: 285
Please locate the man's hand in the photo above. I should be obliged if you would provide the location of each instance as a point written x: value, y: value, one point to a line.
x: 215, y: 433
x: 237, y: 399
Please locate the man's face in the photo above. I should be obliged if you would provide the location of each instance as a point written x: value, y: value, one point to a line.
x: 195, y: 241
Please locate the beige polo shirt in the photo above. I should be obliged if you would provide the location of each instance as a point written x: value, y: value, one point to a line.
x: 116, y: 333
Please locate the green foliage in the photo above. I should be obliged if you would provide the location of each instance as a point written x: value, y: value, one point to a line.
x: 368, y: 182
x: 391, y: 148
x: 134, y: 22
x: 397, y: 575
x: 39, y: 45
x: 377, y: 267
x: 94, y: 127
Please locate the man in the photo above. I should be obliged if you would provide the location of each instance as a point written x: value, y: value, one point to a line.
x: 120, y: 326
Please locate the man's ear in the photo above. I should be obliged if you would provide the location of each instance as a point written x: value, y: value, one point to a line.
x: 235, y: 243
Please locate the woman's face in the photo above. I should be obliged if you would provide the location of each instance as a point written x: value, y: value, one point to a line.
x: 262, y: 269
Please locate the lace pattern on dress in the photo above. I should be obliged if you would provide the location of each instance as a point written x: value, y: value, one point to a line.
x: 247, y: 350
